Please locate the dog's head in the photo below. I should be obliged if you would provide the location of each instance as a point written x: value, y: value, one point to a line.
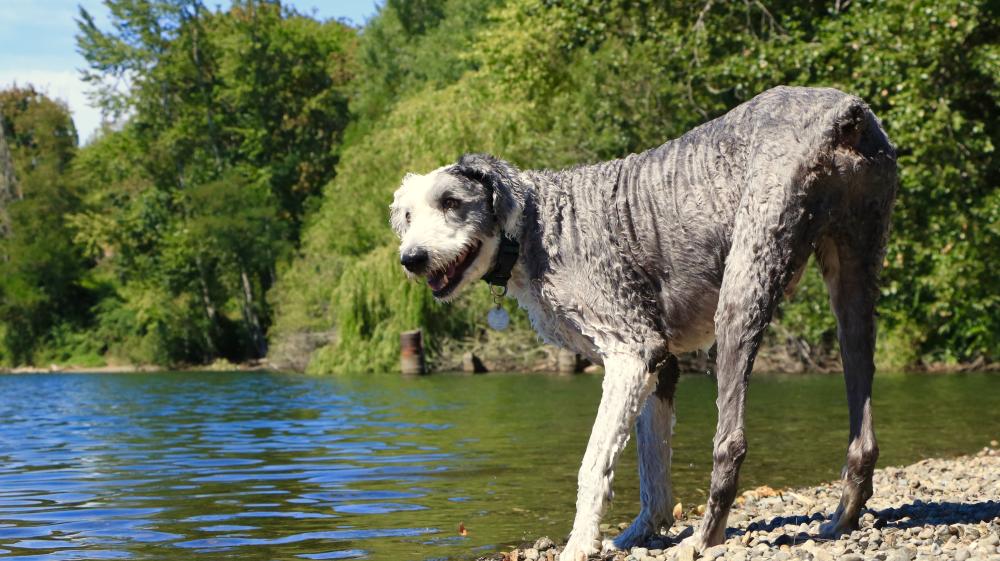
x: 450, y: 220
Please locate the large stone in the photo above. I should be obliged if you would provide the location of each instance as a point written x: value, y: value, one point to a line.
x: 902, y: 554
x: 472, y: 364
x: 543, y: 543
x: 684, y: 553
x: 714, y: 551
x: 567, y: 362
x: 822, y: 555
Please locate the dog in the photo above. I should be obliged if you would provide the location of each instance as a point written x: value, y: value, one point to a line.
x: 633, y: 261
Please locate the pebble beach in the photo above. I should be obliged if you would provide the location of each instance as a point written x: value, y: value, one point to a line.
x: 933, y: 509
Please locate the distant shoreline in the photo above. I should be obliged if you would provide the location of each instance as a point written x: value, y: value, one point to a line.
x: 138, y: 369
x: 764, y: 368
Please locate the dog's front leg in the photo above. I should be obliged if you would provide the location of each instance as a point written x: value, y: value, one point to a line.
x: 653, y: 431
x: 627, y: 383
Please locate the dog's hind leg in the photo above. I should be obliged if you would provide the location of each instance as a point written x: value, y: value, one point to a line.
x: 850, y: 256
x: 770, y: 243
x: 852, y: 282
x: 653, y: 430
x: 627, y: 383
x: 851, y: 260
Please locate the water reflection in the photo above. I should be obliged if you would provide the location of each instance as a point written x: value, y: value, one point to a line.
x: 273, y: 466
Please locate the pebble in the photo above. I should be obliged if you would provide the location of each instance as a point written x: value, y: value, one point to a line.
x: 933, y: 509
x: 684, y: 553
x: 715, y: 551
x: 543, y: 543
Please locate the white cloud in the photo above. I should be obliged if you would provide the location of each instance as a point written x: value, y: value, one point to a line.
x: 64, y: 85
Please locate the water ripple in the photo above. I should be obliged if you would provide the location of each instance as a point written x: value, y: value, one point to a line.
x: 264, y: 466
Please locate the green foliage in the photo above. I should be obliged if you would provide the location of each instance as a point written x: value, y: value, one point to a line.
x: 413, y: 45
x: 351, y: 223
x: 235, y: 122
x: 371, y: 310
x: 241, y: 195
x: 40, y: 268
x: 552, y: 84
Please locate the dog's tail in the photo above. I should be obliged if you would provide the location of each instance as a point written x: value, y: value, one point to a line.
x: 853, y: 133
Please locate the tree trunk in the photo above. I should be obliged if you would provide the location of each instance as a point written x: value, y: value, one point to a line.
x: 206, y: 91
x: 250, y: 317
x: 8, y: 184
x: 210, y: 312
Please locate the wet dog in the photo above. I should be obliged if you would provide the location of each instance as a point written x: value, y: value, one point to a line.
x: 636, y: 260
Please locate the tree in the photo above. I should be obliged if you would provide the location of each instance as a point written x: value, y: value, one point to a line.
x: 234, y: 120
x: 552, y: 84
x: 40, y: 268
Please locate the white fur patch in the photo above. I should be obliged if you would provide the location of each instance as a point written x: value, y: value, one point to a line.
x: 421, y: 223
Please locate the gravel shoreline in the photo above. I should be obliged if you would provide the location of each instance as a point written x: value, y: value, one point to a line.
x: 933, y: 509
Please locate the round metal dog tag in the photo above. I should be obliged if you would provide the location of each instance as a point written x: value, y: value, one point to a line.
x: 498, y: 319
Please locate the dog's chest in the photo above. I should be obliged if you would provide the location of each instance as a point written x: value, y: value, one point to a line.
x: 554, y: 327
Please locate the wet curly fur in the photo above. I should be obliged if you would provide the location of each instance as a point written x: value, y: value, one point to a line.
x: 635, y: 260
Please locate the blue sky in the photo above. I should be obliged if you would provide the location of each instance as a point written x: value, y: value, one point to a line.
x: 37, y: 45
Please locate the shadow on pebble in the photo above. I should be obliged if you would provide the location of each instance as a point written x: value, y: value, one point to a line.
x: 920, y: 513
x: 916, y: 514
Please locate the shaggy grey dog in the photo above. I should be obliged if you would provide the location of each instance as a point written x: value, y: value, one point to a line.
x: 633, y: 261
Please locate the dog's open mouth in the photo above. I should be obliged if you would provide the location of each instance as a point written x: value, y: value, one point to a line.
x: 443, y: 281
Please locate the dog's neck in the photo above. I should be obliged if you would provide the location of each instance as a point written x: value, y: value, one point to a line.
x: 535, y: 264
x: 526, y: 235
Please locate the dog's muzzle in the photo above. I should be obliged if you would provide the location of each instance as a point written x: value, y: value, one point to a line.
x: 415, y: 260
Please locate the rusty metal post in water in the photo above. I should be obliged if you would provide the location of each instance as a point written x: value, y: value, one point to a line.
x: 411, y: 352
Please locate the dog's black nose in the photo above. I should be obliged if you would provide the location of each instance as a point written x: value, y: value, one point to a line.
x: 415, y: 260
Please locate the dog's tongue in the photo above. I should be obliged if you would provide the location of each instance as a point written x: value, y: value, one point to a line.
x: 437, y: 282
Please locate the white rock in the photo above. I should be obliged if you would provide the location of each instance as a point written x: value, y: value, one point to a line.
x: 684, y: 553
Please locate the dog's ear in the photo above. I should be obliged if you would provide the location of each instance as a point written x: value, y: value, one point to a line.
x: 501, y: 179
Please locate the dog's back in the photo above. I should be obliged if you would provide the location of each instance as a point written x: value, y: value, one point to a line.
x: 678, y: 203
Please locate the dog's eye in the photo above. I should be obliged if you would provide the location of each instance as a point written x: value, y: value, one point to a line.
x: 407, y: 217
x: 450, y: 203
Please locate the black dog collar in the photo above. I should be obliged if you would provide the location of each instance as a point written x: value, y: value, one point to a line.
x: 506, y: 259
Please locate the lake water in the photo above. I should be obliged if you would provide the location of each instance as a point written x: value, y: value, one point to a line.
x: 281, y: 466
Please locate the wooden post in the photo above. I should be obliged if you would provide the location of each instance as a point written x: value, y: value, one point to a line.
x: 411, y: 353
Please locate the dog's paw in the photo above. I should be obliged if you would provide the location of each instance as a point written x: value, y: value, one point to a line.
x: 836, y: 527
x: 695, y: 542
x: 639, y: 533
x: 579, y: 550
